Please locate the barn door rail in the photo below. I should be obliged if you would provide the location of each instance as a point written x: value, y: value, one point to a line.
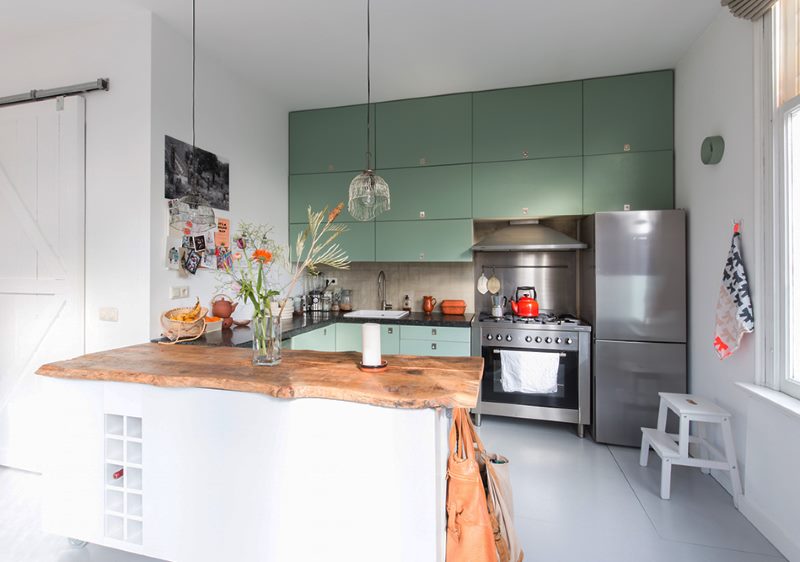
x: 38, y: 95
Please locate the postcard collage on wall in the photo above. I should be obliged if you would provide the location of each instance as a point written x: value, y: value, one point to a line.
x: 190, y: 248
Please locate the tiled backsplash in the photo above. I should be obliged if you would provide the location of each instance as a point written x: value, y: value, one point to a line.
x: 441, y: 280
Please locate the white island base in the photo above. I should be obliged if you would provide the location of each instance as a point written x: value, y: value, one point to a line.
x: 218, y: 476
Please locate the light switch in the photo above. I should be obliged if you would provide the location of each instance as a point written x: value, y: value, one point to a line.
x: 179, y: 292
x: 109, y: 314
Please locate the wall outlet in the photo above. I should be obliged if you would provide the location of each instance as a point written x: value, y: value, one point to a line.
x: 330, y: 281
x: 109, y: 314
x: 179, y: 292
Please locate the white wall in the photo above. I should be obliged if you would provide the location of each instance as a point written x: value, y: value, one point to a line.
x: 235, y: 121
x: 117, y: 159
x: 714, y: 95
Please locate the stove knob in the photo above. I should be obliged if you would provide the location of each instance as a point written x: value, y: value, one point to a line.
x: 548, y: 340
x: 568, y: 341
x: 538, y: 339
x: 489, y: 337
x: 558, y: 340
x: 508, y: 338
x: 528, y: 339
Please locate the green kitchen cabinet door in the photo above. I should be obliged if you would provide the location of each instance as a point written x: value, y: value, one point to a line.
x: 319, y: 191
x: 632, y: 113
x: 328, y: 140
x: 390, y: 339
x: 321, y: 339
x: 527, y: 188
x: 424, y: 132
x: 638, y: 180
x: 348, y: 337
x: 358, y: 241
x: 526, y: 123
x: 430, y: 241
x: 435, y: 192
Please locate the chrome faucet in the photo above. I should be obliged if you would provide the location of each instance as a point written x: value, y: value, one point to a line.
x: 382, y: 291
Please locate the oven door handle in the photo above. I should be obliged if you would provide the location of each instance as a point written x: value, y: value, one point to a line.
x: 560, y: 353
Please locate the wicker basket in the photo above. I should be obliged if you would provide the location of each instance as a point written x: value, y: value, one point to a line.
x: 177, y: 330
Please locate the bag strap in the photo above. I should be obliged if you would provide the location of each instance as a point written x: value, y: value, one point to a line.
x: 462, y: 436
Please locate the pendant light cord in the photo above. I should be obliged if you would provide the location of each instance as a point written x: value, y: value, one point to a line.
x: 194, y: 65
x: 369, y: 92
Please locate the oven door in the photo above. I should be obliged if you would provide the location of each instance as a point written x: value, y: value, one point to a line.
x: 565, y: 396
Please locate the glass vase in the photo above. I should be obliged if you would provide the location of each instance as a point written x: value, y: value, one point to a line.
x: 266, y: 339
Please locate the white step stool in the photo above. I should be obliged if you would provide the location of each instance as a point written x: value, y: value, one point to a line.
x: 674, y: 449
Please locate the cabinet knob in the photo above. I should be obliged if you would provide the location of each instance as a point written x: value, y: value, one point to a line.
x: 433, y: 332
x: 525, y: 154
x: 524, y: 210
x: 390, y: 330
x: 331, y: 167
x: 423, y: 161
x: 626, y: 147
x: 626, y: 207
x: 422, y: 255
x: 422, y: 214
x: 433, y: 346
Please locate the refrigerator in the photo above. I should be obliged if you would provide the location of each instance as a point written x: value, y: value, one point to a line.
x: 633, y: 292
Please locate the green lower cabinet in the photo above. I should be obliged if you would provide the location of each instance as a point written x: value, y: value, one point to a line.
x: 527, y: 188
x: 424, y: 240
x: 390, y: 339
x: 318, y: 191
x: 435, y: 334
x: 348, y: 337
x: 358, y: 241
x: 632, y: 181
x: 321, y: 339
x: 434, y: 192
x: 434, y: 349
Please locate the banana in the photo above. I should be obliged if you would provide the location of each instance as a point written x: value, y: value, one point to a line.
x: 190, y: 316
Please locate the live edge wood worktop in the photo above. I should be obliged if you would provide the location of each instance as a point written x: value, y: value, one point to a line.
x: 409, y: 382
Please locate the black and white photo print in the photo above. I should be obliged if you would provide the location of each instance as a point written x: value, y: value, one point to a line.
x: 182, y: 164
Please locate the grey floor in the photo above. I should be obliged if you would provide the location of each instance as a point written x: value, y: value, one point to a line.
x: 574, y: 501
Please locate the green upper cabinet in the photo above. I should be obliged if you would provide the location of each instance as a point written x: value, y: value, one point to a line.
x: 643, y: 181
x: 632, y: 113
x: 428, y: 240
x: 424, y: 132
x: 358, y: 241
x: 527, y: 188
x: 435, y: 192
x: 526, y: 123
x: 319, y: 191
x: 328, y: 140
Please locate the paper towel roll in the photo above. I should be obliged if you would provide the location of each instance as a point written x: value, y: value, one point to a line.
x: 371, y: 345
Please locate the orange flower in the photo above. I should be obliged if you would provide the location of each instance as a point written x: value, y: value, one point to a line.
x: 335, y: 212
x: 263, y: 256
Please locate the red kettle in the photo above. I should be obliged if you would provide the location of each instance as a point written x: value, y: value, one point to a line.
x: 525, y: 306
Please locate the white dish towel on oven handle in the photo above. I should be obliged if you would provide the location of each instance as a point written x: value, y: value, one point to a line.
x: 531, y: 372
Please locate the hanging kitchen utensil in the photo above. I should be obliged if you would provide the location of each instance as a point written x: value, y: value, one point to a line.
x: 494, y: 284
x: 482, y: 284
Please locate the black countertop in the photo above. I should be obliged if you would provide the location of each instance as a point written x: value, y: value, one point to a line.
x: 243, y: 336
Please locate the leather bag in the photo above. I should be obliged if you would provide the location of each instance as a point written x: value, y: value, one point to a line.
x: 469, y: 529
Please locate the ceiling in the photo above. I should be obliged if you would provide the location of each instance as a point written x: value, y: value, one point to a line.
x: 312, y: 53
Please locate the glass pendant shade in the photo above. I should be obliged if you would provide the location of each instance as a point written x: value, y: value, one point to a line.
x: 192, y: 209
x: 369, y: 196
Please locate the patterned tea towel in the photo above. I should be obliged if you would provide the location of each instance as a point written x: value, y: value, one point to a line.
x: 734, y: 308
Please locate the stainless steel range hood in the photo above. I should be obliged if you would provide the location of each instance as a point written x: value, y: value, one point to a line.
x: 527, y: 236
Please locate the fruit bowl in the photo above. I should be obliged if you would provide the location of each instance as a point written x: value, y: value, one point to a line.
x: 182, y: 324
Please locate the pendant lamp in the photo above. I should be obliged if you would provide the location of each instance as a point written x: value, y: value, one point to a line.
x: 369, y: 193
x: 192, y: 211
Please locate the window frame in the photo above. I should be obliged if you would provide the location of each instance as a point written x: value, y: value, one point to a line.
x: 782, y: 336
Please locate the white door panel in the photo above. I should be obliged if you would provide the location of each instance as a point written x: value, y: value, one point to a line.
x: 42, y: 268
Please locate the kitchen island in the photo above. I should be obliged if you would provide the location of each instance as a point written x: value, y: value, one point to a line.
x: 189, y: 453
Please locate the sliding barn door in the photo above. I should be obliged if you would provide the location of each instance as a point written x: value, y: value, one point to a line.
x: 41, y: 261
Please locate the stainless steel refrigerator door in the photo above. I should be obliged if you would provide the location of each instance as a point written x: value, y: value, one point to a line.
x: 626, y: 381
x: 640, y: 268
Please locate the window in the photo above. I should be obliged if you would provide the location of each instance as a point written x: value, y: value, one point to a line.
x: 785, y: 63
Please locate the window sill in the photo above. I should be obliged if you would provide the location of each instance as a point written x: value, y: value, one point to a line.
x: 787, y: 404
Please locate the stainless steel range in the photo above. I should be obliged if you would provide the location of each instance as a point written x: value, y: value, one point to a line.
x: 569, y: 400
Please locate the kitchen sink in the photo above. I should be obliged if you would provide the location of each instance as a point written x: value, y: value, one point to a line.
x: 389, y: 314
